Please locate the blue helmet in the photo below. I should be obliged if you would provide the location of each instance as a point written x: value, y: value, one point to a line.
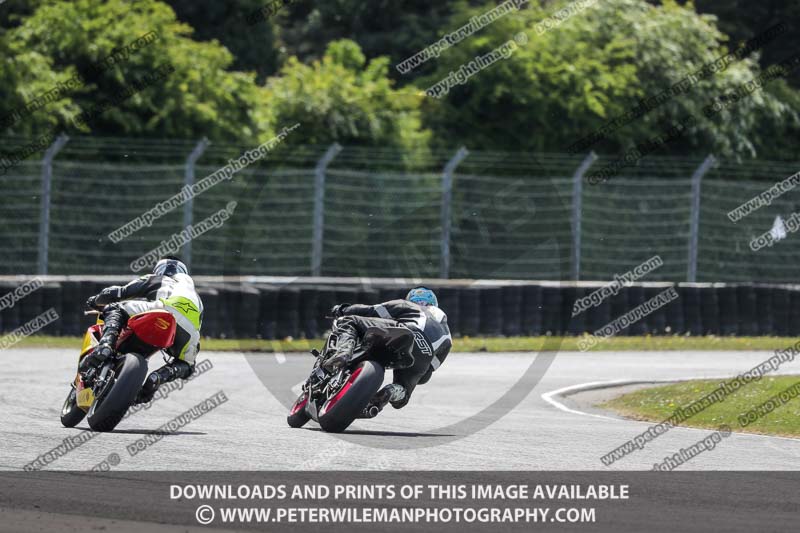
x: 422, y: 296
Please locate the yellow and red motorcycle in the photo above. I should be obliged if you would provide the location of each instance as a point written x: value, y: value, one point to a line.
x: 105, y: 393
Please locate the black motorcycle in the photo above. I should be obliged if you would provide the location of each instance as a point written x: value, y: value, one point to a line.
x: 335, y: 399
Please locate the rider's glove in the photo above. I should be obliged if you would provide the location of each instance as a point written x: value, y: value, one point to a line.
x: 106, y: 297
x: 103, y: 352
x: 98, y: 356
x: 91, y: 303
x: 338, y: 310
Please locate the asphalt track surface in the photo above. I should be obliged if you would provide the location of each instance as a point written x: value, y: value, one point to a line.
x: 249, y: 431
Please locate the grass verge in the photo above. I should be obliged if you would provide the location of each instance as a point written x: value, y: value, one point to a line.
x: 479, y: 344
x: 658, y: 403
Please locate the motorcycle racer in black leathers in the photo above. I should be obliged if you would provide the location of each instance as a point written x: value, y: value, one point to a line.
x: 422, y: 352
x: 170, y: 288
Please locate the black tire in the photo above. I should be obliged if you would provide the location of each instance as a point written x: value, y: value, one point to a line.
x: 109, y: 412
x: 298, y: 418
x: 338, y: 417
x: 71, y: 414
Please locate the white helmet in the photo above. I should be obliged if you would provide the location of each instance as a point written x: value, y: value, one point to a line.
x: 169, y: 266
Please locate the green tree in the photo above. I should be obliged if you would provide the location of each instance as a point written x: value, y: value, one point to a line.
x: 396, y: 29
x: 344, y: 98
x: 597, y: 64
x: 201, y: 97
x: 25, y: 73
x: 744, y: 19
x: 253, y: 45
x: 13, y: 11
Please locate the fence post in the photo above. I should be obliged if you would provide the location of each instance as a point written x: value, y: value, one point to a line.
x: 577, y: 212
x: 44, y: 209
x: 319, y: 208
x: 188, y: 208
x: 694, y: 224
x: 447, y: 200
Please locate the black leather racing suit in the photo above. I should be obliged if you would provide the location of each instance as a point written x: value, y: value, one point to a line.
x: 431, y: 341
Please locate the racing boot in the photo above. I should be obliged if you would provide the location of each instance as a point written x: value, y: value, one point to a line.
x: 391, y: 393
x: 114, y: 319
x: 345, y: 345
x: 170, y: 372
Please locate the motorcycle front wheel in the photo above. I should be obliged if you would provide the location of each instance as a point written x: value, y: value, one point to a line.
x: 298, y: 416
x: 71, y: 414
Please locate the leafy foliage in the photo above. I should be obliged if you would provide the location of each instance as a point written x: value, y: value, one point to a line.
x: 596, y: 65
x: 254, y: 46
x: 330, y: 66
x: 743, y: 19
x: 393, y: 28
x: 200, y: 98
x: 343, y: 97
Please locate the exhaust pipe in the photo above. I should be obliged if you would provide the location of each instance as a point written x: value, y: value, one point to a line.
x: 371, y: 411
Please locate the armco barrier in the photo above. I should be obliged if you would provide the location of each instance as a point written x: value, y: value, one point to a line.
x: 274, y: 308
x: 531, y: 310
x: 794, y: 309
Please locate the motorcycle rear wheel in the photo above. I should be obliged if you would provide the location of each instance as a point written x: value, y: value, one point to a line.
x: 107, y: 412
x: 345, y: 406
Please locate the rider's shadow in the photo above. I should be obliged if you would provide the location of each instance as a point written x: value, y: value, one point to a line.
x: 153, y: 432
x: 385, y: 433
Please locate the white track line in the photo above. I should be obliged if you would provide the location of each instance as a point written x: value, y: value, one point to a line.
x: 549, y: 397
x: 297, y: 389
